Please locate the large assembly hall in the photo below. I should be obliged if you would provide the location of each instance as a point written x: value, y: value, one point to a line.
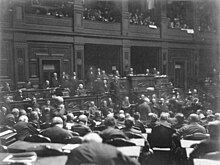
x: 110, y: 82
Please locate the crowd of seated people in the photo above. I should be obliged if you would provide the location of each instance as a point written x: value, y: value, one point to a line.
x: 104, y: 12
x: 117, y: 126
x: 137, y: 17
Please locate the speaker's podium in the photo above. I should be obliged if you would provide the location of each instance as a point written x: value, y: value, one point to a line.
x: 148, y: 85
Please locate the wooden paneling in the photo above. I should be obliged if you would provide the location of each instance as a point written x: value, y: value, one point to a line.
x: 5, y: 59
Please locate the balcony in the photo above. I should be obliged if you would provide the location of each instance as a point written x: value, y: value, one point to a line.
x: 101, y: 28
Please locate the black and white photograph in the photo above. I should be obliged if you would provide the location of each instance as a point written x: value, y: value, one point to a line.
x: 110, y: 82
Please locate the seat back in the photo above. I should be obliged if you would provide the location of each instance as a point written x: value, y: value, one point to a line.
x: 161, y: 137
x: 131, y: 135
x: 119, y: 142
x: 197, y: 136
x: 37, y: 138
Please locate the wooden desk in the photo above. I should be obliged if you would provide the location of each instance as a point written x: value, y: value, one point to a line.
x: 55, y: 160
x: 22, y: 146
x: 205, y: 162
x: 131, y: 151
x: 188, y: 143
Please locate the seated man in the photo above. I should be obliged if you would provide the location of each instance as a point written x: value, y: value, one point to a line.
x: 93, y: 151
x: 111, y: 132
x: 129, y: 123
x: 139, y: 124
x: 81, y: 127
x: 210, y: 145
x: 191, y: 128
x: 57, y: 133
x: 81, y: 91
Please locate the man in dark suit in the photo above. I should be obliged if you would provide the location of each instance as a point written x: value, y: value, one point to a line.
x: 57, y: 133
x: 144, y: 109
x: 93, y: 151
x: 81, y: 127
x: 55, y: 81
x: 210, y: 145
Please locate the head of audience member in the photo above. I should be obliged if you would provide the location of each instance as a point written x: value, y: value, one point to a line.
x: 200, y: 113
x: 83, y: 119
x: 22, y: 112
x: 210, y: 118
x: 48, y: 102
x: 153, y: 117
x: 129, y: 122
x: 164, y: 116
x: 193, y: 118
x: 214, y: 130
x: 70, y: 117
x: 80, y: 86
x: 209, y: 112
x: 110, y: 115
x: 58, y: 100
x: 4, y: 110
x: 61, y: 109
x: 179, y: 118
x: 127, y: 115
x: 34, y: 116
x: 109, y: 122
x: 136, y: 116
x: 23, y: 118
x: 171, y: 114
x: 92, y: 104
x: 10, y: 120
x: 121, y: 112
x: 47, y: 82
x: 15, y: 112
x: 121, y: 117
x: 92, y: 137
x: 55, y: 75
x: 57, y: 121
x: 217, y: 116
x: 146, y: 100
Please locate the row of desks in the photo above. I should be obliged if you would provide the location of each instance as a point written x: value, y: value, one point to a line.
x: 22, y: 146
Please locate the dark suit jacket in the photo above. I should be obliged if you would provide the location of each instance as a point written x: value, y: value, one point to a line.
x: 111, y: 133
x: 24, y: 129
x: 99, y: 154
x: 56, y: 134
x: 81, y: 129
x: 205, y: 147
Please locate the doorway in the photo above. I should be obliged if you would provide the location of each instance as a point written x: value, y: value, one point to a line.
x: 48, y: 67
x: 180, y: 77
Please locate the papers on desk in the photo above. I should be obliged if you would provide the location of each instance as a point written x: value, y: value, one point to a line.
x: 138, y: 142
x: 132, y: 151
x: 24, y: 158
x: 70, y: 146
x: 188, y: 143
x: 205, y: 162
x: 188, y: 151
x: 148, y: 130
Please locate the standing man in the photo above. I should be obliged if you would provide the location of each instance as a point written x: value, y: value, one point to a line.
x: 144, y: 109
x: 54, y: 81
